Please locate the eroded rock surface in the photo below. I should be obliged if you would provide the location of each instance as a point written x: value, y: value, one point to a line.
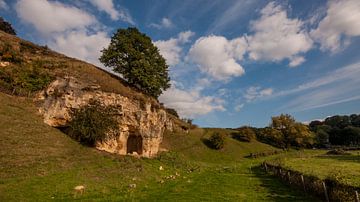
x: 141, y: 126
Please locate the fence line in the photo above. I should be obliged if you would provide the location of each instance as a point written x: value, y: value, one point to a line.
x: 328, y: 189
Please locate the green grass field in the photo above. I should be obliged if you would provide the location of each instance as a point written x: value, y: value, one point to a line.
x: 39, y: 163
x: 346, y: 168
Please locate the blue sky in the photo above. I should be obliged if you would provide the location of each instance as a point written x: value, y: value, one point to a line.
x: 232, y: 63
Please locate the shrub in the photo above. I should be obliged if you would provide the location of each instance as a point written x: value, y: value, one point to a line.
x: 337, y: 152
x: 6, y: 27
x: 24, y: 80
x: 217, y: 141
x: 245, y: 134
x: 93, y: 122
x: 8, y: 54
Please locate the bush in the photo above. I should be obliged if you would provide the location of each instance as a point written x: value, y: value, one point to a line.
x: 217, y: 141
x: 337, y: 152
x: 23, y: 80
x: 6, y: 27
x: 8, y: 54
x: 245, y: 134
x: 93, y: 122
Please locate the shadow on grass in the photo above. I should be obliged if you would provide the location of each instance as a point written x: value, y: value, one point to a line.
x: 352, y: 158
x: 280, y: 191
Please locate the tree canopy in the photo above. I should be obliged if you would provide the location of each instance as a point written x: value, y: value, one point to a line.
x: 132, y: 54
x: 337, y: 130
x: 6, y: 27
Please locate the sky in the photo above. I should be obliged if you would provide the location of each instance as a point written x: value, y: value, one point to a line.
x: 231, y: 63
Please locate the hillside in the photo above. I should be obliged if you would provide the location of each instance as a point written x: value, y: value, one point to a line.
x: 39, y: 162
x: 24, y: 54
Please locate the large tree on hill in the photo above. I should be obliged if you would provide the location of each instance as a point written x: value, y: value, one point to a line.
x: 132, y: 54
x: 6, y: 27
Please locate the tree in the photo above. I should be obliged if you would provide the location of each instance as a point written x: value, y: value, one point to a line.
x: 245, y: 133
x: 132, y: 54
x: 6, y: 27
x: 293, y: 133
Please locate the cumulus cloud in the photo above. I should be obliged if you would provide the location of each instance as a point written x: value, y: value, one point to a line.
x: 256, y: 92
x: 277, y: 37
x: 165, y: 23
x: 218, y: 57
x: 67, y: 28
x: 340, y: 23
x: 190, y: 103
x: 49, y: 17
x: 171, y: 49
x: 3, y: 5
x: 81, y: 45
x: 108, y: 7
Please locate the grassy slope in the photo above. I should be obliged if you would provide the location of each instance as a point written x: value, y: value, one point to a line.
x: 58, y: 65
x: 317, y: 163
x: 38, y: 162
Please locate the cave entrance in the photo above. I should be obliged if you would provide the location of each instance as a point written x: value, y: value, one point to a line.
x: 134, y: 144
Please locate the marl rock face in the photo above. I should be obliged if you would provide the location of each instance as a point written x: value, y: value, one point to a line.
x: 141, y: 126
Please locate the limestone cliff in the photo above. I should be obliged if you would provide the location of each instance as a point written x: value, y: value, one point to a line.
x: 141, y: 125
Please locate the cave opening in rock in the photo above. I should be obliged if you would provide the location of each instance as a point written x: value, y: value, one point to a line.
x: 134, y: 144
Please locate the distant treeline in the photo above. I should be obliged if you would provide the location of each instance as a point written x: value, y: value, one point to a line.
x: 337, y: 130
x: 285, y: 132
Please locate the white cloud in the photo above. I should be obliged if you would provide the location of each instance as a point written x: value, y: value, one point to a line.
x: 255, y: 92
x: 277, y: 37
x: 295, y: 61
x: 236, y: 11
x: 165, y: 23
x: 217, y: 56
x: 171, y: 49
x: 347, y: 73
x: 81, y: 45
x: 341, y: 22
x: 66, y: 27
x: 238, y: 108
x: 190, y: 103
x: 3, y: 5
x: 108, y: 7
x: 48, y: 17
x: 338, y: 86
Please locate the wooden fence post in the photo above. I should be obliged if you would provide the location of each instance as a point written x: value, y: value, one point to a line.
x: 303, y: 182
x: 357, y: 196
x: 289, y: 177
x: 326, y: 194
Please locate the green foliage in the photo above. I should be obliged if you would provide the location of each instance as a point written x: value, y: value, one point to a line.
x: 172, y: 111
x: 293, y: 133
x: 245, y: 134
x: 8, y: 54
x: 338, y: 130
x: 23, y: 80
x: 133, y: 55
x: 93, y: 122
x: 6, y: 27
x: 217, y: 141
